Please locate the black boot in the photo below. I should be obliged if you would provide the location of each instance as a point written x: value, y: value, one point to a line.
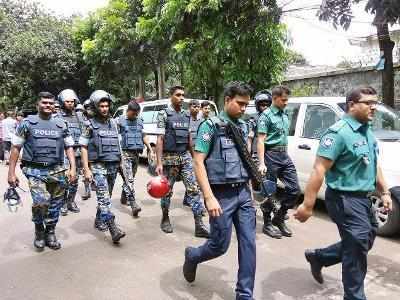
x: 98, y: 223
x: 39, y: 241
x: 200, y: 230
x: 51, y: 239
x: 189, y: 268
x: 116, y: 233
x: 136, y: 209
x: 124, y: 200
x: 165, y: 223
x: 315, y: 265
x: 268, y: 228
x: 279, y: 221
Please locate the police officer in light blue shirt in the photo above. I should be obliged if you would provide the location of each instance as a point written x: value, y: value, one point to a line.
x: 347, y: 157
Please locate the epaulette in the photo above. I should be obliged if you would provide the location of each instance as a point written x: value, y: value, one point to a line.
x: 337, y: 126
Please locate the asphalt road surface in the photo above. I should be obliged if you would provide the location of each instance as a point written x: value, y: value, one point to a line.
x: 148, y: 263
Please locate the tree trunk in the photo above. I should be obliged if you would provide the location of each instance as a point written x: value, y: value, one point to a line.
x: 161, y: 80
x: 386, y: 46
x: 141, y: 83
x: 156, y: 84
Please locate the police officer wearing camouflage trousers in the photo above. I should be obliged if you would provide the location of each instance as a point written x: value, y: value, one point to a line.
x: 174, y: 159
x: 348, y: 159
x: 101, y: 158
x: 44, y: 140
x: 133, y: 140
x: 272, y: 141
x: 68, y: 100
x: 224, y: 182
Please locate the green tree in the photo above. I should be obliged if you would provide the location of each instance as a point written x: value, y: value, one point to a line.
x: 36, y: 53
x: 386, y: 12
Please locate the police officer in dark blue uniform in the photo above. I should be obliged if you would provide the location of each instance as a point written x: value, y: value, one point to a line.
x: 101, y: 158
x: 348, y: 158
x: 68, y: 100
x: 272, y: 136
x: 224, y: 181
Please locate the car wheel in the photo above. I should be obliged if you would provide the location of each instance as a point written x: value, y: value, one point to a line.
x: 389, y: 223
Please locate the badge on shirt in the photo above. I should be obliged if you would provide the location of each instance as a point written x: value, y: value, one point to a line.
x: 328, y: 142
x: 206, y: 137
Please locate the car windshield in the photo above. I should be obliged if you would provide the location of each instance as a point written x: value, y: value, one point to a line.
x: 386, y: 123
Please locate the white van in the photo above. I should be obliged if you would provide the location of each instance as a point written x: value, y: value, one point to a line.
x: 310, y: 117
x: 149, y: 112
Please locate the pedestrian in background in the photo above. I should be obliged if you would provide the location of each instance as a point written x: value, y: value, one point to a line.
x: 8, y: 126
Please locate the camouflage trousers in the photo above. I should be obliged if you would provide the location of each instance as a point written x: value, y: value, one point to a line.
x: 47, y: 187
x: 104, y: 175
x: 183, y: 170
x: 130, y: 163
x: 72, y: 188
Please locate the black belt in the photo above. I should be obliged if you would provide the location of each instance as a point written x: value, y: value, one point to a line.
x: 276, y: 148
x: 175, y: 153
x: 360, y: 194
x: 31, y: 164
x: 228, y: 185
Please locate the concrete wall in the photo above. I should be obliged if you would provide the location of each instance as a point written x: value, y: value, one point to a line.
x: 338, y: 83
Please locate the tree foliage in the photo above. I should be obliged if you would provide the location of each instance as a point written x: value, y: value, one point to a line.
x: 36, y: 53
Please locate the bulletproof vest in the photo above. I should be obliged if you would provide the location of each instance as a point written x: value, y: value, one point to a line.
x: 45, y: 141
x: 254, y: 142
x: 103, y: 145
x: 74, y: 122
x: 223, y: 163
x: 132, y: 134
x: 177, y: 129
x: 194, y: 125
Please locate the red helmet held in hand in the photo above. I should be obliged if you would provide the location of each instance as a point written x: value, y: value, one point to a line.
x: 158, y: 187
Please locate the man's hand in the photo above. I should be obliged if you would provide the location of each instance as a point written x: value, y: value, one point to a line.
x: 88, y: 175
x: 213, y: 207
x: 262, y: 169
x: 303, y: 213
x: 159, y: 170
x: 71, y: 174
x: 13, y: 180
x: 387, y: 203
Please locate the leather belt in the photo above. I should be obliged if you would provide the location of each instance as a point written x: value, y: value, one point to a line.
x: 276, y: 148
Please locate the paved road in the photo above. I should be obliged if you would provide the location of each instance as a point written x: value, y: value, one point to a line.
x: 147, y: 264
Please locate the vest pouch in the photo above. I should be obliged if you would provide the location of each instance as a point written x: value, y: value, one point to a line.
x: 109, y: 144
x: 75, y: 131
x: 231, y: 158
x: 182, y: 136
x: 215, y: 169
x: 46, y: 148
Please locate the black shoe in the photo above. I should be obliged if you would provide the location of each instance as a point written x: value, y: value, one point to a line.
x: 123, y: 199
x: 51, y: 239
x: 279, y: 222
x: 136, y: 209
x: 189, y: 268
x: 268, y: 228
x: 116, y: 233
x: 316, y: 266
x: 64, y: 209
x: 73, y: 207
x: 40, y: 236
x: 85, y: 196
x: 200, y: 230
x: 165, y: 222
x: 99, y: 224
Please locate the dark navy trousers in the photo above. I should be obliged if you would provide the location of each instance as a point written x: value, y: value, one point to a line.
x: 280, y: 166
x: 355, y: 219
x: 238, y: 210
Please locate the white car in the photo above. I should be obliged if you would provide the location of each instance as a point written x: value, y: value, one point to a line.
x: 310, y: 117
x: 149, y: 112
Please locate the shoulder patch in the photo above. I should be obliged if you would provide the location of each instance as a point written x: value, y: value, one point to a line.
x: 337, y: 126
x: 327, y: 142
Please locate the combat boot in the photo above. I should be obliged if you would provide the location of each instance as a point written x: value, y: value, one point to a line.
x: 279, y: 221
x: 200, y: 230
x: 165, y: 223
x: 124, y: 200
x: 136, y: 209
x: 116, y: 233
x: 189, y: 268
x: 98, y: 223
x: 51, y: 239
x: 270, y: 229
x: 40, y: 234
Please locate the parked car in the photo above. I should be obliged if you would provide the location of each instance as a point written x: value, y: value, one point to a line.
x: 310, y: 117
x: 149, y: 112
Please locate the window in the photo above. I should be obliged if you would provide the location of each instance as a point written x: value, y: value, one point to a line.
x: 118, y: 112
x: 148, y: 114
x: 318, y: 119
x: 292, y: 110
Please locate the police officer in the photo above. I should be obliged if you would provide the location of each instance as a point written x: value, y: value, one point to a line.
x: 174, y: 159
x: 68, y: 100
x: 99, y: 141
x: 44, y: 140
x: 133, y: 140
x: 223, y: 179
x: 272, y: 141
x: 347, y: 158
